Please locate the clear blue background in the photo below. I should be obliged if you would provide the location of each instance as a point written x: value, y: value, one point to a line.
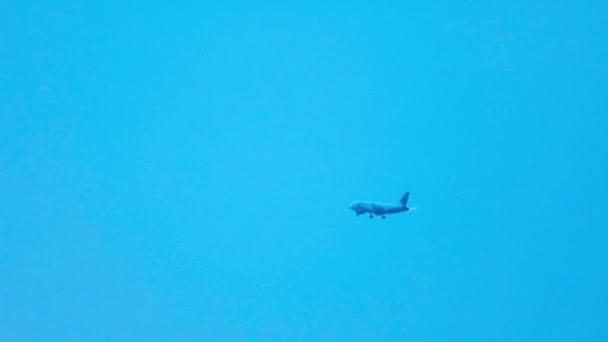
x: 183, y: 172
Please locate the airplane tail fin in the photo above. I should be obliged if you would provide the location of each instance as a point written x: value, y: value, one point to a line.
x: 404, y: 199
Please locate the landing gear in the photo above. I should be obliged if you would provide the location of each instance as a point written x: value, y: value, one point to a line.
x: 383, y: 216
x: 371, y: 216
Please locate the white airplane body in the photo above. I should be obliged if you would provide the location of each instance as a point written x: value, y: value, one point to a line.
x: 381, y: 209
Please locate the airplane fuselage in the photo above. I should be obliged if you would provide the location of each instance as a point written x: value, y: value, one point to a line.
x: 377, y: 209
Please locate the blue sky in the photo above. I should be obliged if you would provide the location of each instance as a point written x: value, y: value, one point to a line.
x: 183, y: 172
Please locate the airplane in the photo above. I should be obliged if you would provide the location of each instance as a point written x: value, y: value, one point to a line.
x: 381, y: 209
